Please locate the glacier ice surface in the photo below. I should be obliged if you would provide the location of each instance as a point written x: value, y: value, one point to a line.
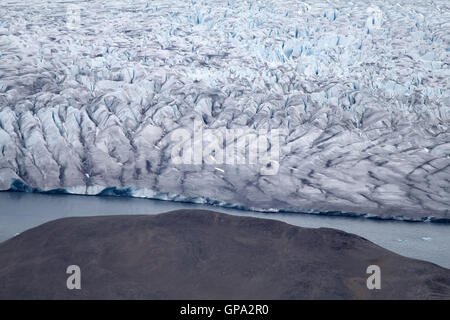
x: 361, y: 91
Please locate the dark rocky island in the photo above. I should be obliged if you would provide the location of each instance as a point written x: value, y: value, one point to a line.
x: 191, y: 254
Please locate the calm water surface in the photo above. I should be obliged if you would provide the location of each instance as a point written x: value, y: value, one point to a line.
x: 21, y: 211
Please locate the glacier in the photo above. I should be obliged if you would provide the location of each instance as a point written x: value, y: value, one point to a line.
x: 361, y: 92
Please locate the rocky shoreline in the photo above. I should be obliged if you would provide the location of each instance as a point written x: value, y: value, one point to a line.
x: 195, y: 254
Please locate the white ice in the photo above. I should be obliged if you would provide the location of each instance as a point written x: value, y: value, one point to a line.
x: 362, y: 91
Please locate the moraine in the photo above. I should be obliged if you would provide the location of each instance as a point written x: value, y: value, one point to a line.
x: 22, y: 211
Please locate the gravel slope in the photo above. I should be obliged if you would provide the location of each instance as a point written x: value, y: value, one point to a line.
x: 206, y: 255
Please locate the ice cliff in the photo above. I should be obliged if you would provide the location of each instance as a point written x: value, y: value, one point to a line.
x: 361, y: 91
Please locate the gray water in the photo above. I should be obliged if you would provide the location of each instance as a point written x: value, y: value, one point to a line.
x: 22, y: 211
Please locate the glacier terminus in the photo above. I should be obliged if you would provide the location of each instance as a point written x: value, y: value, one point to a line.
x: 90, y: 92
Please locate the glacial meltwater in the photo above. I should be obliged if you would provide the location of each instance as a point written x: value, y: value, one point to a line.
x: 420, y: 240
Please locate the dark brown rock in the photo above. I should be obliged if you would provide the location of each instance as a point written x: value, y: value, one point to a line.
x: 192, y: 254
